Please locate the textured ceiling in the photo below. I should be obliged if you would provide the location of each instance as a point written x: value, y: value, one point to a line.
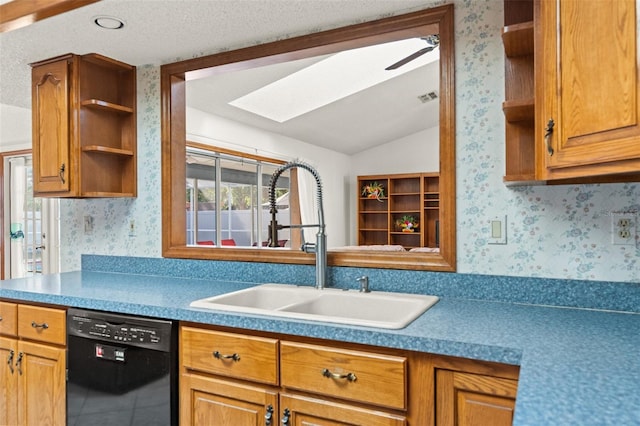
x: 160, y: 31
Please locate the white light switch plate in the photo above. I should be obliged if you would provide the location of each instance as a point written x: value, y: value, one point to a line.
x: 498, y: 230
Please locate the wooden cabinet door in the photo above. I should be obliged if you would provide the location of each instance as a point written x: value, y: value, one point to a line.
x: 51, y: 127
x: 41, y: 384
x: 8, y: 381
x: 215, y: 402
x: 304, y: 411
x: 588, y: 80
x: 465, y: 399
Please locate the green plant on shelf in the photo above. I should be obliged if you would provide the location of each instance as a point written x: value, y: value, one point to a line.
x: 373, y: 190
x: 407, y: 223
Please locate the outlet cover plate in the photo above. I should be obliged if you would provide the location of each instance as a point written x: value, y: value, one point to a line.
x: 623, y: 229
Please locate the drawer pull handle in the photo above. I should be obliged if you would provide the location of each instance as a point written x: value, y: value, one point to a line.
x: 10, y: 361
x: 19, y: 363
x: 43, y: 326
x: 234, y: 356
x: 349, y: 376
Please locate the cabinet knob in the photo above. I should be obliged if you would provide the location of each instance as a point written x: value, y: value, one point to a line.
x: 547, y: 135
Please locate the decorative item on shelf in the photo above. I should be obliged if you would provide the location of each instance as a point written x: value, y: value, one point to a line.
x: 373, y: 190
x: 408, y: 223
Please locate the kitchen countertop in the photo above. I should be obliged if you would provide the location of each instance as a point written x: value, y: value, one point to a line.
x: 577, y: 366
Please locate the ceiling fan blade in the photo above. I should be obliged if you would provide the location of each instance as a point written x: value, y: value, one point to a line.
x: 410, y: 58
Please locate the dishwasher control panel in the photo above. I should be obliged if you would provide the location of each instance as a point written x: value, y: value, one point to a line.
x: 134, y: 331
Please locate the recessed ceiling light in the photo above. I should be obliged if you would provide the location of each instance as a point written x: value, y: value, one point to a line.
x: 108, y: 22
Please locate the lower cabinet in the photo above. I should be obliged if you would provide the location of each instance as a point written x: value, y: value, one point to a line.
x: 231, y: 378
x: 212, y: 401
x: 8, y: 382
x: 300, y: 410
x: 32, y: 366
x: 467, y: 399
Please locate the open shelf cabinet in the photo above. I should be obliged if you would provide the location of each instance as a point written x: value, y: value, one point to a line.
x: 84, y: 121
x: 403, y: 196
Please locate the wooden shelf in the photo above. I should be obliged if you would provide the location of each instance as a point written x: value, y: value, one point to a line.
x: 108, y: 150
x: 413, y: 194
x: 519, y: 110
x: 518, y: 39
x: 520, y: 179
x: 109, y: 194
x: 96, y: 103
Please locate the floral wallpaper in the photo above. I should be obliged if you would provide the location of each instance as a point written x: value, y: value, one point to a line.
x: 552, y: 231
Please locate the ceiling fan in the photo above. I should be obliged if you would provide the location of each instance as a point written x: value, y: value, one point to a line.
x: 433, y: 41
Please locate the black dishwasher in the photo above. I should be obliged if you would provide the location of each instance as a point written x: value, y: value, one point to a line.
x: 121, y: 370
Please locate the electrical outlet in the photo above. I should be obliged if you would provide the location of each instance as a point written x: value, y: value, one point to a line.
x: 623, y: 229
x: 132, y: 228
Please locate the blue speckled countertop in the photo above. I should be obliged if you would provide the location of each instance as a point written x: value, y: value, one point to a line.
x: 577, y: 366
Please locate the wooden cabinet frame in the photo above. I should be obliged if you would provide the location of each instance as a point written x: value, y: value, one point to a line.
x: 557, y: 131
x: 428, y: 389
x: 84, y: 127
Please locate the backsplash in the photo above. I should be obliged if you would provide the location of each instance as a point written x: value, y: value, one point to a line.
x: 552, y: 231
x: 604, y: 295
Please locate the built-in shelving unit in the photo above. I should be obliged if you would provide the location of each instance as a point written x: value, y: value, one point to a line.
x: 519, y: 104
x: 404, y: 195
x: 84, y: 127
x: 107, y: 141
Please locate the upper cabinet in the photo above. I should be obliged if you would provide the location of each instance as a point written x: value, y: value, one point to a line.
x: 573, y: 91
x: 84, y: 127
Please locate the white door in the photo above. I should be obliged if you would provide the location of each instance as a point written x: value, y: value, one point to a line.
x: 33, y: 223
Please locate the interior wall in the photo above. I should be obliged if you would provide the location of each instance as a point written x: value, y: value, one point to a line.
x: 15, y: 128
x: 553, y: 231
x: 415, y: 153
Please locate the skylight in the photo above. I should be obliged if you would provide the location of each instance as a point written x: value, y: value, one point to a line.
x: 332, y: 79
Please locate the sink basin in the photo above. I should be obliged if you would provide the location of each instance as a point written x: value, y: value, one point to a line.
x: 375, y: 309
x: 261, y: 298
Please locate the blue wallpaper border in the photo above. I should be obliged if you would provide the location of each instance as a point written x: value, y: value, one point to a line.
x: 604, y: 295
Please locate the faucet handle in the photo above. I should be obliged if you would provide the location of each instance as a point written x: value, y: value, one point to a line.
x: 364, y: 284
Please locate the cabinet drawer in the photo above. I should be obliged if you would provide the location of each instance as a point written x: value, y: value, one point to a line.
x: 42, y: 324
x: 354, y: 375
x: 230, y: 354
x: 8, y: 318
